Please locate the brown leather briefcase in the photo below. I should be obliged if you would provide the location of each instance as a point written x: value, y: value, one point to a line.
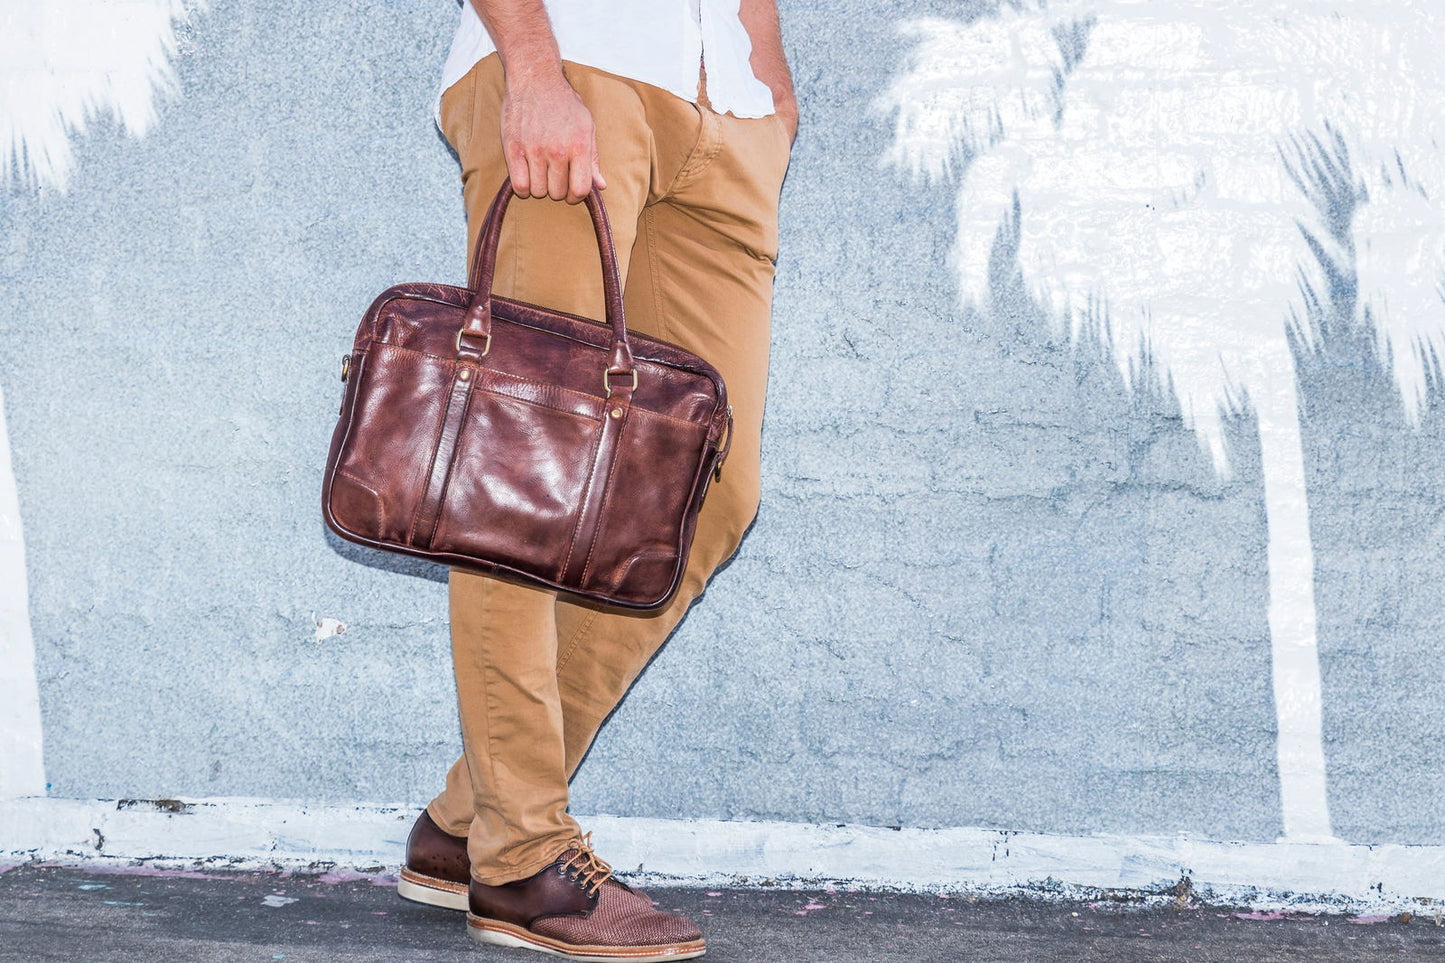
x: 510, y: 439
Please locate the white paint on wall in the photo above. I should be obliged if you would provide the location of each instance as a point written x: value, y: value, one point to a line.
x: 242, y: 833
x: 63, y: 64
x: 1164, y: 165
x: 1294, y: 658
x: 22, y: 762
x: 66, y: 63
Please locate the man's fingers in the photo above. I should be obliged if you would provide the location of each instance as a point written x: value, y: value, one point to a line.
x: 579, y: 180
x: 517, y: 169
x: 537, y: 167
x: 557, y: 176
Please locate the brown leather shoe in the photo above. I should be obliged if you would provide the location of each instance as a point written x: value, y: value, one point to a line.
x: 437, y: 869
x: 574, y: 908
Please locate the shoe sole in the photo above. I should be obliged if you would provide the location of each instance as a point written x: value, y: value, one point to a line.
x: 497, y: 933
x: 420, y: 888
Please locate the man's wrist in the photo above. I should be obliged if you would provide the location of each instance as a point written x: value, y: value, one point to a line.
x: 534, y: 74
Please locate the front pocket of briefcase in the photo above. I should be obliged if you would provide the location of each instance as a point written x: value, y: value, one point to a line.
x: 659, y: 461
x: 517, y: 483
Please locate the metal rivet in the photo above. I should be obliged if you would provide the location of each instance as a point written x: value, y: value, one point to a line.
x: 617, y: 412
x: 464, y: 375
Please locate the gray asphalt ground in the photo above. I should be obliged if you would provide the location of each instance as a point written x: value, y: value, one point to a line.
x: 85, y: 914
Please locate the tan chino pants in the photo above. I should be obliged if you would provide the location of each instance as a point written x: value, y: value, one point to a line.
x: 692, y: 196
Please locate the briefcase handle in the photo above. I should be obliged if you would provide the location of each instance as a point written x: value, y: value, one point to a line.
x: 474, y: 339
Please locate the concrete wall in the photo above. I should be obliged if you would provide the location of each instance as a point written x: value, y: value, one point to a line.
x: 991, y: 584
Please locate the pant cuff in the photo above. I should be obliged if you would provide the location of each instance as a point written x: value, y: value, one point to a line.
x: 497, y: 875
x: 443, y: 823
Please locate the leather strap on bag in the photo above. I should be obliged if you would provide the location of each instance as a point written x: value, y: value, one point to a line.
x: 473, y: 340
x: 428, y: 510
x: 579, y: 554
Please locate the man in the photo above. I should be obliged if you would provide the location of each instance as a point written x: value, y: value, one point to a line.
x: 563, y: 97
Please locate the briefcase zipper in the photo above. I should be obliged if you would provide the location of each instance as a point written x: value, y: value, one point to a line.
x: 724, y: 448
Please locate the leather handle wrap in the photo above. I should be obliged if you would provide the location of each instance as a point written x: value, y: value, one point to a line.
x: 484, y: 267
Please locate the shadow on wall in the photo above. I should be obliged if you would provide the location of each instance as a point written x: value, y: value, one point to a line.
x: 385, y: 561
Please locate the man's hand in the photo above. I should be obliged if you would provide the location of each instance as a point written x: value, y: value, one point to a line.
x: 548, y: 139
x: 788, y: 111
x: 769, y: 63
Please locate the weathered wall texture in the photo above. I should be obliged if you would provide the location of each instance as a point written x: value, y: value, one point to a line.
x: 990, y: 584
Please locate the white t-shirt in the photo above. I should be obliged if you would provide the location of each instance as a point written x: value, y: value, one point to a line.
x: 659, y: 42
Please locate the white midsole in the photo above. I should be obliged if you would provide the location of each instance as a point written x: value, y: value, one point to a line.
x: 431, y: 895
x: 498, y: 938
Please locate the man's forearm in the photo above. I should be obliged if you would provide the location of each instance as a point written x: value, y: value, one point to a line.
x: 524, y: 39
x: 770, y: 64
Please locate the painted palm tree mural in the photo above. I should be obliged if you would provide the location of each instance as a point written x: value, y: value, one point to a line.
x: 63, y: 64
x: 1184, y: 180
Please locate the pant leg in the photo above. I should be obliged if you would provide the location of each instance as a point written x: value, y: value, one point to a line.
x: 504, y: 636
x: 700, y: 275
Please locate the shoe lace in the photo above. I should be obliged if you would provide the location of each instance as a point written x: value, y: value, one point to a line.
x: 587, y: 867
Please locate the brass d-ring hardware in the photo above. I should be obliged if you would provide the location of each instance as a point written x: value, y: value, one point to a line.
x: 485, y: 348
x: 346, y: 367
x: 607, y: 383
